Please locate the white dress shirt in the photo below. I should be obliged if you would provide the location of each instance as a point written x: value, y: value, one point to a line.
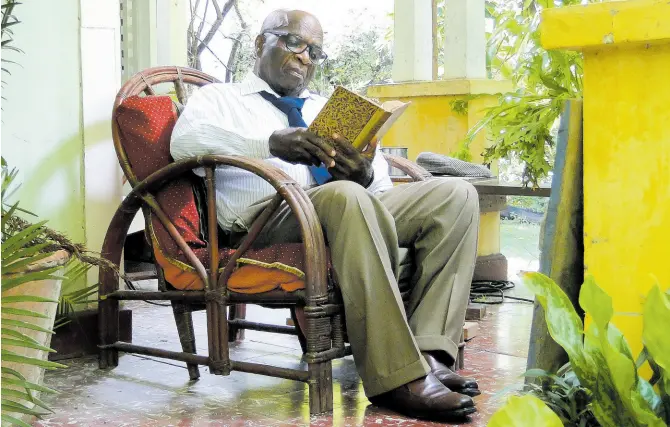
x: 233, y: 119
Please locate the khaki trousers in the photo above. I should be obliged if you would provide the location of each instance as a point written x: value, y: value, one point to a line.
x: 439, y: 218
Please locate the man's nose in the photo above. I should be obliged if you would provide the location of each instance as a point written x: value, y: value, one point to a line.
x: 304, y: 57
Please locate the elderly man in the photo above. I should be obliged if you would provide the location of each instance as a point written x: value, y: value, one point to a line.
x: 402, y: 358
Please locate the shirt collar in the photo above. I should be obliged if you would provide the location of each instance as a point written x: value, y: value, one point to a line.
x: 254, y: 84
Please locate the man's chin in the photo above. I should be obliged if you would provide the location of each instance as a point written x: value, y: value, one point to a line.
x: 293, y: 85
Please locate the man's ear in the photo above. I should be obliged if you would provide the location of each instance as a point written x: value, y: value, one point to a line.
x: 258, y: 45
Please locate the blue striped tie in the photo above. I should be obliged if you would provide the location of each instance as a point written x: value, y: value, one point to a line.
x: 292, y: 107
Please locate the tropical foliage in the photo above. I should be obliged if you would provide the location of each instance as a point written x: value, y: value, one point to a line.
x: 8, y: 21
x: 602, y: 359
x: 521, y: 125
x: 19, y: 249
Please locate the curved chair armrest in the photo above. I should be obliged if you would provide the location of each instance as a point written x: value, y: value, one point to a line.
x: 416, y: 172
x: 287, y: 190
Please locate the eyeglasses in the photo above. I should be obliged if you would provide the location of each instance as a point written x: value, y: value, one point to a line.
x: 297, y: 45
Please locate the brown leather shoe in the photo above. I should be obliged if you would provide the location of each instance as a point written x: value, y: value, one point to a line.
x: 451, y: 379
x: 426, y: 398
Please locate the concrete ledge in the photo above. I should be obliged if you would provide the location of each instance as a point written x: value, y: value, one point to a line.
x: 441, y: 88
x: 596, y: 25
x: 491, y: 267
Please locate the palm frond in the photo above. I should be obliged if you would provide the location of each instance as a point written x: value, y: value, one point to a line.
x: 10, y: 356
x: 13, y: 421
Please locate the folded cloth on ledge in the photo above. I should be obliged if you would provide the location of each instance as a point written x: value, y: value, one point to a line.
x: 439, y: 164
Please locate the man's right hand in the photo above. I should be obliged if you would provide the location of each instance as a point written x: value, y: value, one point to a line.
x: 298, y: 145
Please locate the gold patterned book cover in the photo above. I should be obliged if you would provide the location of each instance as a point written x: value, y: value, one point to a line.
x: 355, y: 117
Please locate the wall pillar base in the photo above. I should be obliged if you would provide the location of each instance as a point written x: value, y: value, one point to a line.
x: 491, y: 267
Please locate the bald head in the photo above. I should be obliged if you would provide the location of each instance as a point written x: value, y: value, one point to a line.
x: 287, y: 72
x: 282, y: 19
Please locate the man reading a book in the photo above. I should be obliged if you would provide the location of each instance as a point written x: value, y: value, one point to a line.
x: 402, y: 358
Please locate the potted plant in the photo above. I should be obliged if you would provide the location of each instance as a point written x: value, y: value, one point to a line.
x: 613, y: 392
x: 35, y: 261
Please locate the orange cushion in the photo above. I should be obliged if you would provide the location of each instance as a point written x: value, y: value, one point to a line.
x: 258, y: 271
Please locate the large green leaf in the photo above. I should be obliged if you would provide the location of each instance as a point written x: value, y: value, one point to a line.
x: 655, y: 330
x: 563, y: 323
x: 596, y: 302
x: 616, y: 389
x: 525, y: 411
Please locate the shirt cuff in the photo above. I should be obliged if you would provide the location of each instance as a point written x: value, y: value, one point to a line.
x: 260, y: 148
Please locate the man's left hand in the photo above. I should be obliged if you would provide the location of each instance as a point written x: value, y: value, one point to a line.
x: 351, y: 164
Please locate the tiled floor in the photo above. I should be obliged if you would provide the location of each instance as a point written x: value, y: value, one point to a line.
x: 146, y: 392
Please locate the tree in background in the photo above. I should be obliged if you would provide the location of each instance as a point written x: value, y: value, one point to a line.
x: 362, y: 59
x: 522, y: 126
x: 207, y: 17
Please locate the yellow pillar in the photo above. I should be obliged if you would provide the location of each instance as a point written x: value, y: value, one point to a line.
x: 435, y: 123
x: 626, y: 47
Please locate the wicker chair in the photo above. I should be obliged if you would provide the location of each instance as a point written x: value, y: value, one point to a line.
x: 196, y: 246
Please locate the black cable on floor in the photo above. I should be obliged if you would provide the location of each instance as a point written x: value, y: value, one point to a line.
x: 492, y: 292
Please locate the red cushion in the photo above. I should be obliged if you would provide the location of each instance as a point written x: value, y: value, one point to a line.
x: 145, y: 126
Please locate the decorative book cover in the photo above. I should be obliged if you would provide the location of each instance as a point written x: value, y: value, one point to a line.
x: 355, y: 117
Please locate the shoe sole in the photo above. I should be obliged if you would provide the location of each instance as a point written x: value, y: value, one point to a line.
x: 456, y: 414
x: 472, y: 392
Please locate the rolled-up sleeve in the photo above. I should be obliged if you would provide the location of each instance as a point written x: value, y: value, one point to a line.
x: 210, y: 125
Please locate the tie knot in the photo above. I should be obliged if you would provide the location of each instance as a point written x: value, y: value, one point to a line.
x: 289, y: 105
x: 285, y: 103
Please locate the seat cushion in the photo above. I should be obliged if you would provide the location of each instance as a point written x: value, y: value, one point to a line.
x: 145, y: 126
x: 278, y: 266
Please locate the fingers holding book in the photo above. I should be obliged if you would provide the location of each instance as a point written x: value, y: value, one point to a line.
x: 350, y: 164
x: 298, y: 145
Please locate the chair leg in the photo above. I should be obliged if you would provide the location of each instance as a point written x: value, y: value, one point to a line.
x: 236, y: 311
x: 108, y: 328
x: 301, y: 334
x: 320, y: 387
x: 459, y: 363
x: 184, y: 320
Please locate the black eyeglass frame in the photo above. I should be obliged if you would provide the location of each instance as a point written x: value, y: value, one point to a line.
x: 307, y: 46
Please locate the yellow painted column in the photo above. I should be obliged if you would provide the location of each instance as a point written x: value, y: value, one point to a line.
x: 434, y: 123
x: 626, y: 47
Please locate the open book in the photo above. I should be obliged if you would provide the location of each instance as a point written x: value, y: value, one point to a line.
x: 358, y: 119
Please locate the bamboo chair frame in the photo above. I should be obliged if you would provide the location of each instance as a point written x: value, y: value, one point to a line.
x: 323, y: 337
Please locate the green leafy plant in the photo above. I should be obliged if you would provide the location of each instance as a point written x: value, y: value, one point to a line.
x: 564, y: 394
x: 524, y: 411
x: 18, y: 251
x: 24, y: 244
x: 600, y: 355
x: 8, y: 20
x: 521, y: 124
